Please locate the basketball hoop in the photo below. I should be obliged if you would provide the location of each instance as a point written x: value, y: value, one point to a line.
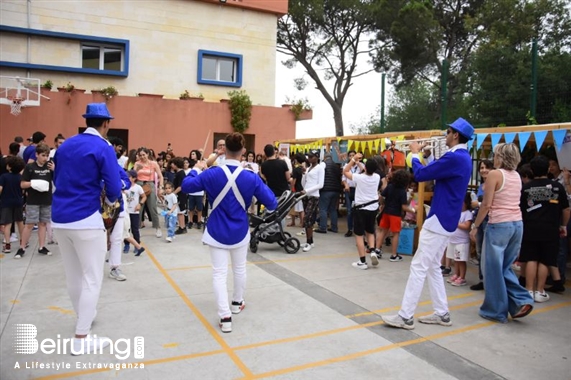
x: 16, y: 105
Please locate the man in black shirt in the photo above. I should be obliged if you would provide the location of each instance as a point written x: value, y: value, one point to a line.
x: 275, y: 172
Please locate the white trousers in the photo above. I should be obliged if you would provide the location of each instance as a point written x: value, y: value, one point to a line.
x: 426, y: 264
x: 219, y: 259
x: 116, y: 239
x: 83, y: 256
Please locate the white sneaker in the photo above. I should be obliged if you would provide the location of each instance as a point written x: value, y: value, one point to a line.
x: 169, y: 239
x: 374, y: 259
x: 117, y: 274
x: 237, y: 307
x: 225, y: 325
x: 88, y: 345
x: 307, y: 247
x: 14, y: 238
x: 159, y: 233
x: 360, y: 265
x: 541, y: 297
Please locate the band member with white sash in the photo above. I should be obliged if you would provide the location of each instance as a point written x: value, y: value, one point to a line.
x: 76, y: 221
x: 227, y: 231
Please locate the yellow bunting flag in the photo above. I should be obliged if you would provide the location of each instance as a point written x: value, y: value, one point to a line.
x: 370, y: 146
x: 400, y: 138
x: 383, y: 145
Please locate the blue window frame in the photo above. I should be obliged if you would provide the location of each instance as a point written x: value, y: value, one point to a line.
x: 113, y: 58
x: 219, y: 69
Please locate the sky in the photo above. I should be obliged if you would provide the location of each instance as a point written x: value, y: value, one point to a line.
x: 362, y: 99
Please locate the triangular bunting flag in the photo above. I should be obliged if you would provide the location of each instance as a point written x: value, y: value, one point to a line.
x: 400, y: 138
x: 470, y: 143
x: 495, y: 139
x: 383, y: 145
x: 377, y: 143
x: 539, y: 138
x: 523, y: 139
x: 370, y: 146
x: 509, y: 137
x: 559, y: 137
x: 480, y: 137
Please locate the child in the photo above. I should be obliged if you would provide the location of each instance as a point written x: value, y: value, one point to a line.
x: 459, y: 244
x: 365, y: 206
x: 177, y: 166
x: 11, y: 199
x: 171, y: 210
x: 37, y: 181
x: 127, y: 238
x: 136, y: 198
x: 396, y: 202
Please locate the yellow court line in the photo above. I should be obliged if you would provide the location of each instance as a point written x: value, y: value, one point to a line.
x: 225, y: 347
x: 293, y: 339
x: 298, y: 258
x: 146, y: 363
x: 249, y: 346
x: 393, y: 308
x: 360, y: 354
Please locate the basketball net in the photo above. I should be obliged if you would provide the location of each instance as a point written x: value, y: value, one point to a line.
x: 15, y: 106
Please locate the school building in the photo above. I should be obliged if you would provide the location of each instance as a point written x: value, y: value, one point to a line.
x: 204, y: 48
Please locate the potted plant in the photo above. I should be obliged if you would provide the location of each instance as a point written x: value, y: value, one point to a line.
x: 188, y: 96
x: 48, y: 85
x: 240, y: 106
x: 300, y: 108
x: 69, y: 87
x: 108, y: 92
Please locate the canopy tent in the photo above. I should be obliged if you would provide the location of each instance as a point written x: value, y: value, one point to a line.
x: 532, y: 137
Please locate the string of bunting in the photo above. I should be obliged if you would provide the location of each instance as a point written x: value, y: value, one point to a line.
x: 523, y: 137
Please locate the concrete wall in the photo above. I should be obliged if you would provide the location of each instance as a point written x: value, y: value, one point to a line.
x: 164, y: 36
x: 149, y: 122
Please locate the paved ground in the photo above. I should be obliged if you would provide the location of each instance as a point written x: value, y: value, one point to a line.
x: 308, y: 316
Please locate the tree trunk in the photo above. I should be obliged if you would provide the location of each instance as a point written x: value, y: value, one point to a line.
x: 338, y: 117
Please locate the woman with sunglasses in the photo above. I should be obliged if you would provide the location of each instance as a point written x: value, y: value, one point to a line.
x: 502, y: 239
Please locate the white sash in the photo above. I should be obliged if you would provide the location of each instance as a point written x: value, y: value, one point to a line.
x: 231, y: 184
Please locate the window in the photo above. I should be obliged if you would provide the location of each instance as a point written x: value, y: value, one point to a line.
x: 221, y: 69
x: 101, y: 57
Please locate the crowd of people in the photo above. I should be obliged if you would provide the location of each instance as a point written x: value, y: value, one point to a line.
x: 518, y: 213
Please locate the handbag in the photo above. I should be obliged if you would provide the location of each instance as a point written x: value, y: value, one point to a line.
x: 147, y: 189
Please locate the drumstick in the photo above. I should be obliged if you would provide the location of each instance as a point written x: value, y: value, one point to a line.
x: 205, y: 143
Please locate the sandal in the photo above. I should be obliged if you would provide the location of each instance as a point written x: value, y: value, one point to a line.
x: 523, y: 311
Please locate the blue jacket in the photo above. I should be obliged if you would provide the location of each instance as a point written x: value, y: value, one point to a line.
x: 452, y: 173
x: 82, y: 164
x: 228, y: 223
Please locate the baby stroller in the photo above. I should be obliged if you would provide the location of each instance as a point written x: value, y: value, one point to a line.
x: 268, y: 227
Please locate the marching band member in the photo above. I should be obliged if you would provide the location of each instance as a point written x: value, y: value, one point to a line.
x: 77, y: 223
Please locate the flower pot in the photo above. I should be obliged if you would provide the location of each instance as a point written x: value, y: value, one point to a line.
x: 224, y: 100
x: 141, y: 94
x: 45, y: 90
x: 80, y: 90
x: 306, y: 115
x: 195, y: 98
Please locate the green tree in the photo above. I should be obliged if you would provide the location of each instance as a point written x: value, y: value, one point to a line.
x: 326, y: 37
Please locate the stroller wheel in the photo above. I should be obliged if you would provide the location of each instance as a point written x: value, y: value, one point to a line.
x: 291, y: 245
x: 253, y: 245
x: 282, y: 242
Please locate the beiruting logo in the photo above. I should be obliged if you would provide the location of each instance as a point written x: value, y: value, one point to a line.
x: 25, y: 342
